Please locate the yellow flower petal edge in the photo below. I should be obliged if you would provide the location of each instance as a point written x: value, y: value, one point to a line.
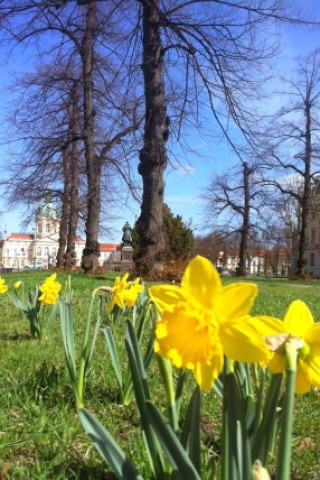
x: 124, y: 292
x: 298, y: 325
x: 3, y: 287
x: 202, y: 320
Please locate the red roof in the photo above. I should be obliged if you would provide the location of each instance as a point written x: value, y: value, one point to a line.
x: 109, y: 247
x: 21, y: 236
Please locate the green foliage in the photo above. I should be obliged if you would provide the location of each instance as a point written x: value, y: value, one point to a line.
x: 179, y: 239
x: 41, y: 436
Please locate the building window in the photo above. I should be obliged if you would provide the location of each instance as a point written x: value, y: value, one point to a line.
x: 313, y: 237
x: 48, y: 227
x: 46, y: 252
x: 39, y: 252
x: 311, y: 259
x: 54, y: 252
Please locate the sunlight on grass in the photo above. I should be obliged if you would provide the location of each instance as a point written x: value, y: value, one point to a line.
x: 40, y: 435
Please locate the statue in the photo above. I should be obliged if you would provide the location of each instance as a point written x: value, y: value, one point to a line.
x: 127, y: 236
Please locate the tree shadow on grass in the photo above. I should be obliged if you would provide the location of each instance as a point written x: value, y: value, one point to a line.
x: 15, y: 337
x: 81, y: 470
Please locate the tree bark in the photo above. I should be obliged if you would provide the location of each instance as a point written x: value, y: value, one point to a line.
x: 70, y: 255
x: 245, y: 221
x: 91, y: 251
x: 63, y: 227
x: 305, y: 201
x: 153, y: 155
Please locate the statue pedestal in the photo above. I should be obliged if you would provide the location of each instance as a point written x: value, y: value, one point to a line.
x: 126, y: 258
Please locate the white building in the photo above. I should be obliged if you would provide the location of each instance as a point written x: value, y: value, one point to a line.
x: 39, y: 249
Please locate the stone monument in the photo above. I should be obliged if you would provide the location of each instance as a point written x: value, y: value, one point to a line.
x: 126, y: 247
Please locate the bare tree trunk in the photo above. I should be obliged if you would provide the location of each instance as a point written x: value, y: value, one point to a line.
x: 245, y: 221
x: 63, y: 228
x: 70, y: 255
x: 91, y: 251
x: 305, y: 201
x: 153, y: 156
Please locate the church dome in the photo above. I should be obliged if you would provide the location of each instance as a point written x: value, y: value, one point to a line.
x: 47, y: 209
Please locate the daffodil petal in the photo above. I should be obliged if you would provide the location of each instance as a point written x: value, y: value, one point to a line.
x: 241, y: 343
x: 206, y: 374
x: 267, y: 326
x: 313, y: 365
x: 235, y: 301
x: 298, y: 319
x: 202, y: 281
x: 167, y: 296
x: 277, y: 364
x: 312, y: 338
x: 303, y: 381
x: 179, y: 338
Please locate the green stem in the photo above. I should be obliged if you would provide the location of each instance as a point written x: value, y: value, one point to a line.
x: 284, y: 455
x: 166, y: 375
x: 225, y: 436
x: 85, y: 359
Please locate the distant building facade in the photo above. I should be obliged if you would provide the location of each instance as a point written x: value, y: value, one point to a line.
x: 39, y: 249
x: 262, y: 262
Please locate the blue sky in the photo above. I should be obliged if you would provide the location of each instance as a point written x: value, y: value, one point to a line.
x: 184, y: 181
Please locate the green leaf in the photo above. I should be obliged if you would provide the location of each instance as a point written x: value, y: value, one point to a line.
x: 108, y: 447
x: 52, y: 316
x: 113, y: 354
x: 262, y: 442
x: 67, y: 333
x: 178, y: 457
x: 238, y: 445
x: 190, y: 438
x: 141, y: 392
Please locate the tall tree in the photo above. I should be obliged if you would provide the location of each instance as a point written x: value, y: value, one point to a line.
x: 91, y: 251
x: 209, y: 55
x: 153, y: 156
x: 298, y: 147
x: 231, y: 201
x: 79, y: 31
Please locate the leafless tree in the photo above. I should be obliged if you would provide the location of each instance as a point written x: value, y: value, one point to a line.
x: 297, y: 138
x: 198, y: 58
x: 209, y: 55
x: 79, y: 33
x: 232, y: 201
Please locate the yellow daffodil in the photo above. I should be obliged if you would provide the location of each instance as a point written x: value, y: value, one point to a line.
x: 50, y: 290
x: 3, y: 286
x: 131, y: 294
x: 124, y: 291
x: 17, y: 284
x: 202, y: 320
x: 298, y: 327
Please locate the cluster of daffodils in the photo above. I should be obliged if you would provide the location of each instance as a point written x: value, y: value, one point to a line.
x: 202, y: 321
x: 124, y: 292
x: 32, y: 306
x: 50, y: 290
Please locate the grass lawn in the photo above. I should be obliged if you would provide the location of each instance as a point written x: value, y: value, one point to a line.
x: 40, y: 434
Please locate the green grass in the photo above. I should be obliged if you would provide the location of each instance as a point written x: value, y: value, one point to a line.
x: 40, y: 435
